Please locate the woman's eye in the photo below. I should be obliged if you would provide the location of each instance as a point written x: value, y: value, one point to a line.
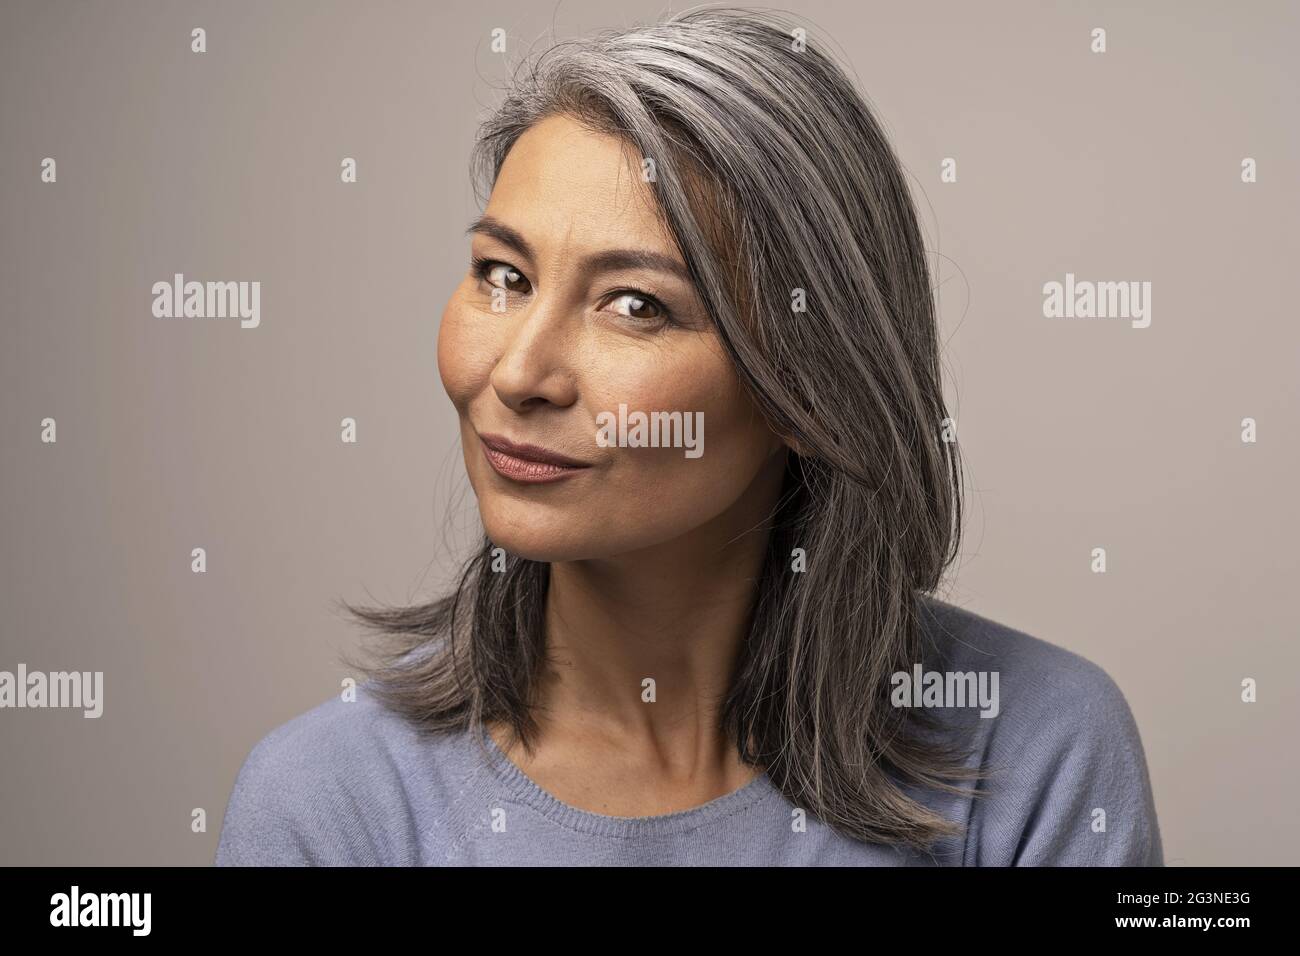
x: 501, y: 275
x: 639, y: 307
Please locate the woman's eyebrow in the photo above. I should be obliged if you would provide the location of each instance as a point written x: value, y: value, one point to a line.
x: 608, y: 260
x: 612, y: 260
x: 498, y: 230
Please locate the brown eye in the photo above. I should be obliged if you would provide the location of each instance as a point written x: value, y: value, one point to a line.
x: 500, y: 275
x: 643, y: 308
x: 508, y: 278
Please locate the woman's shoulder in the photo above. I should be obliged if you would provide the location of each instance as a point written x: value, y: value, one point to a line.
x: 956, y: 638
x: 1068, y: 779
x: 330, y: 785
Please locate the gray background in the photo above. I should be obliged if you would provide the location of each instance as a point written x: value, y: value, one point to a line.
x: 174, y: 434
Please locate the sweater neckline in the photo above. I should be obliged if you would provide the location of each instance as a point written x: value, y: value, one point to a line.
x: 600, y: 824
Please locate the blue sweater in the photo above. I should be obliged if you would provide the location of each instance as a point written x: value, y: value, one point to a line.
x: 351, y: 783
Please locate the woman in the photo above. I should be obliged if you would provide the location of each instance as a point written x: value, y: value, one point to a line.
x: 673, y: 650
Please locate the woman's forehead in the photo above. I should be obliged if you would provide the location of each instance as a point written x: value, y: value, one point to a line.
x: 562, y: 183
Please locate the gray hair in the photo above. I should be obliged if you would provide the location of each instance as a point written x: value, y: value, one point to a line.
x: 773, y: 175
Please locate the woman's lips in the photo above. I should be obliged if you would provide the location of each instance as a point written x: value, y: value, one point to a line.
x: 527, y: 463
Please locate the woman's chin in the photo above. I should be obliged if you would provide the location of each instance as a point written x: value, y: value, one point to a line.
x: 539, y: 539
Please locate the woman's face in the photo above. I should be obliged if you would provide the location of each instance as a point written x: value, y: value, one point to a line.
x: 559, y: 327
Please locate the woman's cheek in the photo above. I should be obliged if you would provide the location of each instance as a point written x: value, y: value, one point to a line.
x: 464, y: 359
x: 447, y: 352
x: 691, y: 461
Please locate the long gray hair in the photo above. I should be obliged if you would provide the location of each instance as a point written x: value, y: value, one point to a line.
x: 774, y: 177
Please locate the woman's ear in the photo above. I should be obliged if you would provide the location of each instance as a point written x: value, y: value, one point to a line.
x: 792, y: 443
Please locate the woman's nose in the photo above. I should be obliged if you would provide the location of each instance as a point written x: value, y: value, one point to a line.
x: 536, y: 360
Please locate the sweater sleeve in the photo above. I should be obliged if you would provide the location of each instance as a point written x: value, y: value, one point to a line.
x: 260, y: 826
x: 284, y: 811
x: 1072, y: 786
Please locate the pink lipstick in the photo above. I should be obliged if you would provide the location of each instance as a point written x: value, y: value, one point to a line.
x: 530, y: 464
